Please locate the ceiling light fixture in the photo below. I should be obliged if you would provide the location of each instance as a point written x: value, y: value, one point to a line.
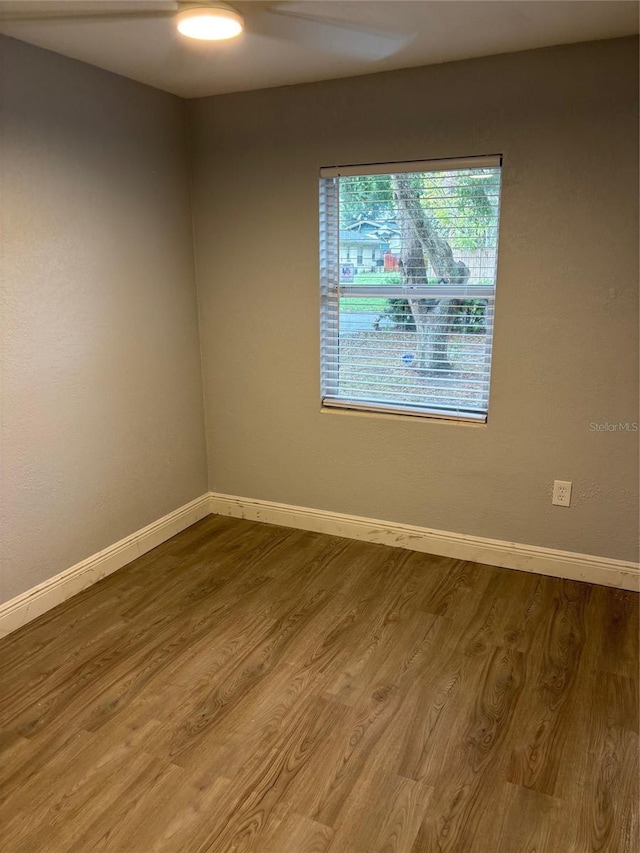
x: 210, y: 22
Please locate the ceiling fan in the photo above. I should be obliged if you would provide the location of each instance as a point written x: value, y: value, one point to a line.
x: 210, y: 20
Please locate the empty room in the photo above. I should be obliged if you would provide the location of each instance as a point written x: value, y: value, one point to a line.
x: 320, y: 403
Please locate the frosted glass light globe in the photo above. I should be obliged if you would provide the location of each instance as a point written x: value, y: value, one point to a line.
x: 210, y: 23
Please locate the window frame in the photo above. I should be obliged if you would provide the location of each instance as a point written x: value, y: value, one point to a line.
x: 331, y: 290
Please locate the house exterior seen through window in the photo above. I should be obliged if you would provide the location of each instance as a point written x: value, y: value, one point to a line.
x: 408, y: 256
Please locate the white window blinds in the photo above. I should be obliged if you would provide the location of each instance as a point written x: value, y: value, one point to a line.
x: 408, y: 256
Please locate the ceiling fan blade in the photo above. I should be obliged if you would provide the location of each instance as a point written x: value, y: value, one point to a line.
x: 68, y: 10
x: 329, y: 34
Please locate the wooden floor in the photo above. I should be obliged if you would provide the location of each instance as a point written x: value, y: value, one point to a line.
x: 246, y: 687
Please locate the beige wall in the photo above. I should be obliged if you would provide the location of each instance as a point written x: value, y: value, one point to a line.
x: 565, y: 351
x: 102, y: 398
x: 101, y: 394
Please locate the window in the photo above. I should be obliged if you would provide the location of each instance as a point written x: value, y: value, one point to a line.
x: 413, y: 334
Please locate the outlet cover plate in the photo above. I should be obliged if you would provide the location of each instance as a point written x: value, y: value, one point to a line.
x: 561, y: 493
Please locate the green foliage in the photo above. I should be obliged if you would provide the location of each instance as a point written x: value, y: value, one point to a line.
x: 464, y: 204
x: 400, y: 313
x: 449, y: 199
x: 366, y: 197
x: 378, y: 278
x: 461, y: 204
x: 470, y: 315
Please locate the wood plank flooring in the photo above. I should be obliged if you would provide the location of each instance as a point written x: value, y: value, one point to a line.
x: 246, y: 687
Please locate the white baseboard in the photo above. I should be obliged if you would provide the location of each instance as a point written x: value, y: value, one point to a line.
x: 493, y: 552
x: 36, y: 601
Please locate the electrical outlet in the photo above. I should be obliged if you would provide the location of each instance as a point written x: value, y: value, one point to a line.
x: 561, y: 493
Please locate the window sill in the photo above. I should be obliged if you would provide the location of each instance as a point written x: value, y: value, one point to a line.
x: 416, y: 417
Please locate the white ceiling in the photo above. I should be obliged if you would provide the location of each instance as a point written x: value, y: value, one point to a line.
x: 279, y: 50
